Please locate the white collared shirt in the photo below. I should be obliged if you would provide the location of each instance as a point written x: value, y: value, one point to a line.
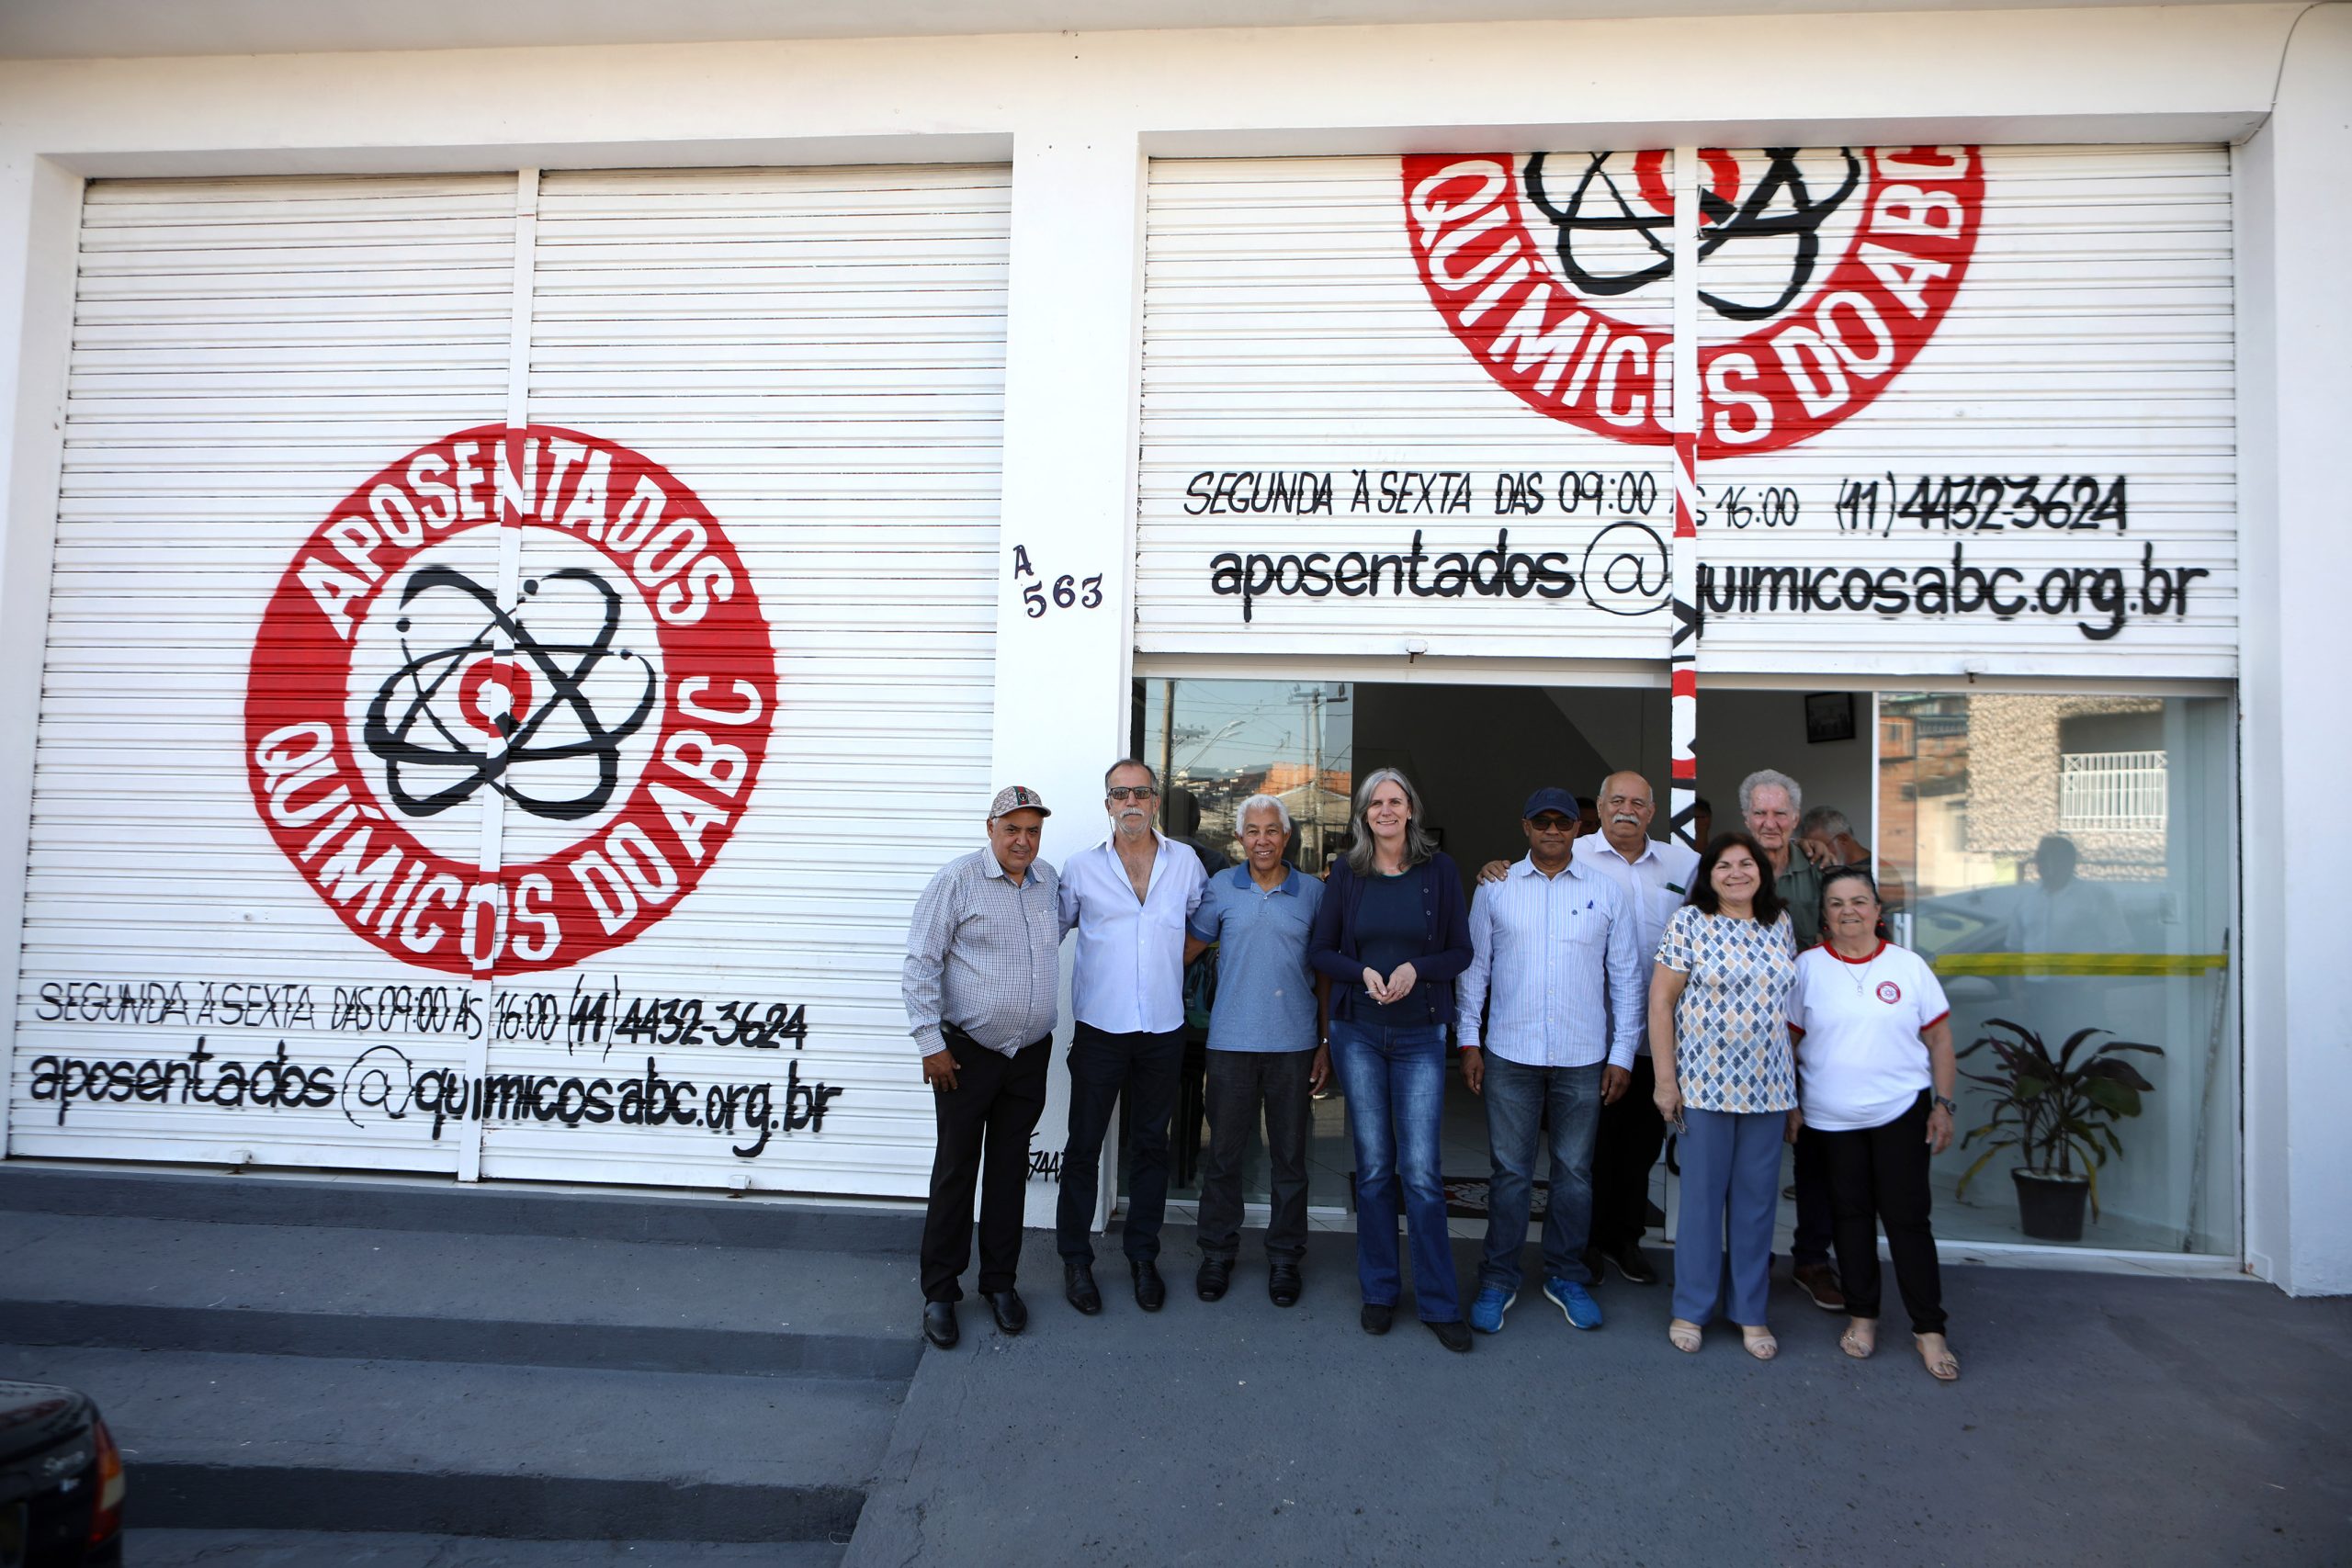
x: 1561, y: 956
x: 1656, y: 883
x: 1129, y: 977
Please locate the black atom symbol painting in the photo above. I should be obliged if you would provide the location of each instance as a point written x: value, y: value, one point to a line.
x: 1779, y: 210
x: 506, y: 709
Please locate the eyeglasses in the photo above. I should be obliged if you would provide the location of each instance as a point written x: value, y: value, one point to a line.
x: 1551, y: 822
x: 1136, y: 792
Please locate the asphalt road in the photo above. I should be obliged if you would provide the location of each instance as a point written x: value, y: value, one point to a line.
x: 2100, y: 1419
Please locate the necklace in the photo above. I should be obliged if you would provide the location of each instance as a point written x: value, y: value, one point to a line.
x: 1856, y: 970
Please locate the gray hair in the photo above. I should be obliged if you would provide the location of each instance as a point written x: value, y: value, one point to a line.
x: 1826, y: 820
x: 1261, y: 803
x: 1417, y: 847
x: 1131, y: 762
x: 1602, y: 792
x: 1770, y: 778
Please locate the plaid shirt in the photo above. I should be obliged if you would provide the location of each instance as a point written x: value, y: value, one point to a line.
x: 984, y: 955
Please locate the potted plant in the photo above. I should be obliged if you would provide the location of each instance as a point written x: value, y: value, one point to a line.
x: 2059, y: 1112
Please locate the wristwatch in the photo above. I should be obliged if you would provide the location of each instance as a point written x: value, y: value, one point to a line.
x: 1949, y: 1105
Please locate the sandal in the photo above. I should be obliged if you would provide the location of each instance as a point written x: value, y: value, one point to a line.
x: 1684, y: 1336
x: 1857, y: 1345
x: 1942, y: 1365
x: 1759, y: 1342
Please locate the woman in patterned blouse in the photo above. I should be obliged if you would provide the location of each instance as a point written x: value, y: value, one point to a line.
x: 1727, y: 1081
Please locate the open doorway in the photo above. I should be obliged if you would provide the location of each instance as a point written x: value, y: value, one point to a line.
x: 1475, y: 752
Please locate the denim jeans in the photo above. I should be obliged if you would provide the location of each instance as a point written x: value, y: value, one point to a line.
x: 1516, y: 1097
x: 1395, y: 1081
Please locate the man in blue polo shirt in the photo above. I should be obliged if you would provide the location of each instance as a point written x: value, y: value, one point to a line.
x: 1265, y: 1049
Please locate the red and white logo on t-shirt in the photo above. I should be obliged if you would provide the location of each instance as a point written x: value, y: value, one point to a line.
x: 1889, y: 992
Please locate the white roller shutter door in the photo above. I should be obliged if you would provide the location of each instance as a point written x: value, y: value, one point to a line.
x: 786, y: 386
x: 243, y: 351
x: 2060, y: 451
x: 1309, y: 413
x: 1965, y: 410
x: 822, y: 351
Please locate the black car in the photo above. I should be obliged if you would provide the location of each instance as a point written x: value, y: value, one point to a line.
x: 61, y: 1481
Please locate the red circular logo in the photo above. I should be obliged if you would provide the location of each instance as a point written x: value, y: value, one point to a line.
x: 527, y: 616
x: 1889, y: 992
x: 1832, y: 269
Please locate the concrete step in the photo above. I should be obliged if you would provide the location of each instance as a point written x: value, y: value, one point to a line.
x: 243, y: 1442
x: 388, y: 1371
x: 420, y: 1295
x: 379, y: 1203
x: 309, y: 1548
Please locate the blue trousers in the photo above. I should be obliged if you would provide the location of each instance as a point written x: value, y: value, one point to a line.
x: 1516, y: 1098
x: 1395, y: 1081
x: 1731, y: 1189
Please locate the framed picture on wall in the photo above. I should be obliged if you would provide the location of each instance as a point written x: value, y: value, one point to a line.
x: 1828, y: 715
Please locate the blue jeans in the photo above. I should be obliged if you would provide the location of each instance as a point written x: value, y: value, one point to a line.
x: 1731, y: 1188
x: 1516, y: 1097
x: 1395, y: 1081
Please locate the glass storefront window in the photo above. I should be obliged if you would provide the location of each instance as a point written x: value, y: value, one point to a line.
x: 2067, y: 864
x: 1217, y: 743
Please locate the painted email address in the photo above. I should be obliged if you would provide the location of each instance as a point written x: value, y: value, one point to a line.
x: 381, y: 1085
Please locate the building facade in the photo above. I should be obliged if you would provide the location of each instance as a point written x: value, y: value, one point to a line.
x: 523, y: 553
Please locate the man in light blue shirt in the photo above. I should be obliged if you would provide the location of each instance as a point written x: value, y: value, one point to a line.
x: 1265, y: 1034
x: 1554, y: 945
x: 1128, y: 897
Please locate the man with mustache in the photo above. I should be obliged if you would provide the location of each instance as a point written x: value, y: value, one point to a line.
x: 1655, y: 877
x: 1130, y: 898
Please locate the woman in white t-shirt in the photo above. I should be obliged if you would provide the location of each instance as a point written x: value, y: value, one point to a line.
x: 1874, y: 1081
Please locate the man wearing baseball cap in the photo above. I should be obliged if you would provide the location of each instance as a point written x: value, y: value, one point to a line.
x: 1553, y: 944
x: 981, y: 982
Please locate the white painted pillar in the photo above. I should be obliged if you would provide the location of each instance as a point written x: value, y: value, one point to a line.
x: 2295, y: 360
x: 1063, y: 672
x: 40, y: 215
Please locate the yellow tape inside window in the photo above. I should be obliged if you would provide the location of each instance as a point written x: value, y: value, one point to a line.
x: 2081, y: 963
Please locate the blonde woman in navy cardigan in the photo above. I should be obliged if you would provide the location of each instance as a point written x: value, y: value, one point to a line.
x: 1394, y: 935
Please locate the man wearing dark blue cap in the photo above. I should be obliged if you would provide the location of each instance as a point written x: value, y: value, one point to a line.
x: 1553, y: 944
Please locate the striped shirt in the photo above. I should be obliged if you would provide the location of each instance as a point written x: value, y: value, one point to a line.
x: 1550, y: 955
x: 984, y: 955
x: 1656, y: 882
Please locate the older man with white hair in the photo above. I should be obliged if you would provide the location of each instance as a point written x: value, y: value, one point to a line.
x: 1265, y: 1050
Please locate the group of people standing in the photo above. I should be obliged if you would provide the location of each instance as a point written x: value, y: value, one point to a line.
x: 1603, y: 989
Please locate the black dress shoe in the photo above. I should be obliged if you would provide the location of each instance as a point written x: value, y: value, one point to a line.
x: 1375, y: 1317
x: 1077, y: 1284
x: 1283, y: 1283
x: 1216, y: 1274
x: 1454, y: 1334
x: 1012, y: 1311
x: 939, y: 1324
x: 1151, y: 1290
x: 1629, y: 1262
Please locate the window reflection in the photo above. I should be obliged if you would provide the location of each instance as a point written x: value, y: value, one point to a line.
x: 1231, y: 739
x: 2069, y: 867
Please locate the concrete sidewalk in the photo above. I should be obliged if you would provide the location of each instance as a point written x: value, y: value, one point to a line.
x: 2100, y: 1419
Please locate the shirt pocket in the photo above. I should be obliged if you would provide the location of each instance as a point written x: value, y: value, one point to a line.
x: 1584, y: 928
x: 1164, y: 912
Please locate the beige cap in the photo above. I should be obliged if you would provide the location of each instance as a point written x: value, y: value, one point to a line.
x: 1016, y: 797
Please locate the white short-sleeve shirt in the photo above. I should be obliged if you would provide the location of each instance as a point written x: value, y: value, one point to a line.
x: 1860, y: 1062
